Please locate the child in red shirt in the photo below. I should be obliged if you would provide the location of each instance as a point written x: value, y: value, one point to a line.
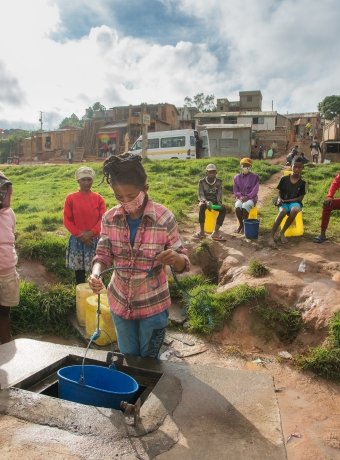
x: 83, y: 211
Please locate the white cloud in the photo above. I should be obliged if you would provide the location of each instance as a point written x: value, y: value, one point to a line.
x: 287, y: 49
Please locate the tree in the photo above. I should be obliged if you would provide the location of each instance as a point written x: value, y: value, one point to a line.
x: 330, y: 107
x: 204, y: 103
x: 73, y: 121
x: 89, y: 112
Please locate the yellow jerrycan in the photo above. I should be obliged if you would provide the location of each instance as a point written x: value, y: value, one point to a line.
x: 210, y: 220
x: 105, y: 320
x: 83, y: 291
x: 296, y: 227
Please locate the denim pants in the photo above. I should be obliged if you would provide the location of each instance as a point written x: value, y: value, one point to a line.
x: 141, y: 337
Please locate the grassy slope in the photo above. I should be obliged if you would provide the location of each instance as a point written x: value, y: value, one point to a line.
x: 39, y: 191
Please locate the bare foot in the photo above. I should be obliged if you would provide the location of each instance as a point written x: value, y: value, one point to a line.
x: 271, y: 242
x: 199, y: 235
x: 283, y: 238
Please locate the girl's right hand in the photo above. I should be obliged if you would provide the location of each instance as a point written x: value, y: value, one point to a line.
x: 95, y: 283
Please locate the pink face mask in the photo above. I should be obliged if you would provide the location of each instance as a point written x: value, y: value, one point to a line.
x: 132, y: 206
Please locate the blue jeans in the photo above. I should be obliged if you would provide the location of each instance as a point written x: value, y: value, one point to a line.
x: 141, y: 337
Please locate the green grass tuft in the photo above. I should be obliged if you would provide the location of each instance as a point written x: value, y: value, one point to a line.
x: 208, y: 310
x: 285, y: 323
x: 257, y: 269
x: 325, y: 360
x: 322, y: 361
x: 44, y: 312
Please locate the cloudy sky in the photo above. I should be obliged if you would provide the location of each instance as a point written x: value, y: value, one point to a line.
x: 62, y: 56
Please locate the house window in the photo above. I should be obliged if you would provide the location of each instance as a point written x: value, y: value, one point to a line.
x: 258, y: 121
x: 48, y: 142
x: 230, y: 120
x: 249, y: 98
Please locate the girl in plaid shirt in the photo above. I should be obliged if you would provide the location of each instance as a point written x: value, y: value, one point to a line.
x: 139, y: 237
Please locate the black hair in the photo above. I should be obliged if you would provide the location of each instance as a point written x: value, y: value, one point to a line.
x: 298, y: 160
x: 124, y: 169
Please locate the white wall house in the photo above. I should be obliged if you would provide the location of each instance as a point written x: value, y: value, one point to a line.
x: 259, y: 121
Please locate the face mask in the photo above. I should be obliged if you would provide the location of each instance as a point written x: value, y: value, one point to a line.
x: 132, y: 206
x: 245, y: 169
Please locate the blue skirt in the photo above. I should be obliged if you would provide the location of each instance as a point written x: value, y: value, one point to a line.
x: 79, y: 255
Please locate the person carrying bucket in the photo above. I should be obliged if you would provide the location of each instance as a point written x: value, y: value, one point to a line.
x: 292, y: 190
x: 83, y: 211
x: 245, y: 189
x: 210, y: 194
x: 140, y: 237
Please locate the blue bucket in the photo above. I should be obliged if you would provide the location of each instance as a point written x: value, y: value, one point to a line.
x: 101, y: 386
x: 251, y: 228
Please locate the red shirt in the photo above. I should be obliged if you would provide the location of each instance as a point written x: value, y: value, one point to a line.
x: 83, y: 211
x: 335, y: 185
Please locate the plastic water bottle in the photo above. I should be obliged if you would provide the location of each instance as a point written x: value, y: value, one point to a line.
x: 302, y: 266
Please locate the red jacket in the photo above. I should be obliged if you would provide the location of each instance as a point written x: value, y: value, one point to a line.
x: 83, y: 211
x: 335, y: 185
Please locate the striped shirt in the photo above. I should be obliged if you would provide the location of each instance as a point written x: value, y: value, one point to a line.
x: 134, y: 292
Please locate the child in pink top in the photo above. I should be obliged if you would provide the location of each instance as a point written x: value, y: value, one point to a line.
x: 9, y: 278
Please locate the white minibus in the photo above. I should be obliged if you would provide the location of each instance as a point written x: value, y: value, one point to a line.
x: 179, y: 144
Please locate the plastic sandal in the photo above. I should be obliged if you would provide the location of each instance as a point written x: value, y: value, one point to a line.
x: 319, y: 239
x: 199, y: 236
x: 218, y: 238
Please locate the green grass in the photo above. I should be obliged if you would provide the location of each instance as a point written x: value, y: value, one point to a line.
x: 44, y: 312
x: 40, y: 191
x: 286, y: 324
x: 208, y: 309
x: 257, y: 269
x: 324, y: 360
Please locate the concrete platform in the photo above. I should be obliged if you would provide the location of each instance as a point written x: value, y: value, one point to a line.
x: 193, y: 412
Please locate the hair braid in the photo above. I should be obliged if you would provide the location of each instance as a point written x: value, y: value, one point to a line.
x: 124, y: 169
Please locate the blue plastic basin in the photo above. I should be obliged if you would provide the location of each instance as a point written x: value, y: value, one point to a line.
x: 101, y: 386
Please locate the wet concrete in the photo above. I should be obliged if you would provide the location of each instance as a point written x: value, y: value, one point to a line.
x: 193, y: 412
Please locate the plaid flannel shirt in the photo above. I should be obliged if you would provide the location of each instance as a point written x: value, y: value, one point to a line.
x: 135, y: 294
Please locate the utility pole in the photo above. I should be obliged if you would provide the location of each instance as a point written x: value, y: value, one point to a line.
x: 41, y: 121
x: 145, y: 120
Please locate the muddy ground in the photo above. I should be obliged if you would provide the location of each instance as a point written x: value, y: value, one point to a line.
x: 309, y: 405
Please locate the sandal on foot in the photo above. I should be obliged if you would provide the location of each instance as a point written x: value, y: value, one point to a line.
x: 319, y: 239
x: 199, y: 236
x: 218, y: 238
